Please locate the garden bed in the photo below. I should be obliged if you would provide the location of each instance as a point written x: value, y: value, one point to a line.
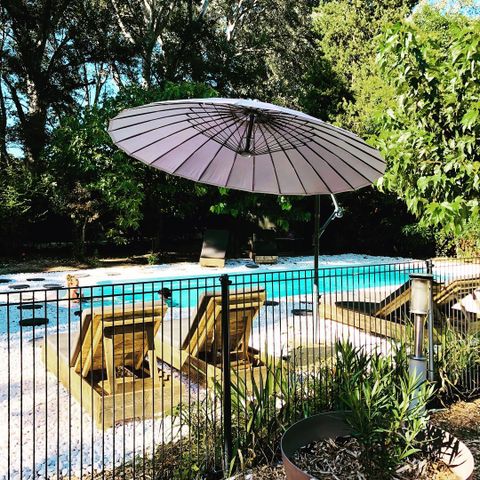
x: 462, y: 420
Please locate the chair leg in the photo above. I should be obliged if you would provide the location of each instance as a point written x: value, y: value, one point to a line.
x: 152, y: 358
x: 110, y: 364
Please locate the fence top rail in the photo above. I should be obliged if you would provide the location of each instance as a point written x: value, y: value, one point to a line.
x: 152, y: 285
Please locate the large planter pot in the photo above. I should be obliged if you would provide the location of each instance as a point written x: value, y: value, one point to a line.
x: 333, y: 425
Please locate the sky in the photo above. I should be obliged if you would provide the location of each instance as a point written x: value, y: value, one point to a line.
x: 470, y: 8
x: 466, y: 7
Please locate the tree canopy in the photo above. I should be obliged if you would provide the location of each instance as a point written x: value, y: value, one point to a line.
x: 431, y: 134
x: 408, y: 82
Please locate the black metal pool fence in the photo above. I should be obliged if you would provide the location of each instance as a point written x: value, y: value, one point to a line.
x: 127, y: 380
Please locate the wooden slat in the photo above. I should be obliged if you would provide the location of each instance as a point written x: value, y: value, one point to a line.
x: 130, y: 347
x: 204, y: 338
x: 456, y: 289
x: 141, y: 399
x: 368, y: 323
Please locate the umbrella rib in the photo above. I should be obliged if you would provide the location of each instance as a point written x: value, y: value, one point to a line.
x: 253, y: 173
x: 232, y: 130
x: 213, y: 158
x: 234, y: 158
x: 231, y: 168
x: 188, y: 106
x: 360, y: 142
x: 349, y: 165
x: 293, y: 167
x: 328, y: 163
x: 236, y: 135
x: 195, y: 151
x: 176, y: 146
x: 321, y: 126
x: 167, y: 136
x: 295, y: 170
x: 183, y: 119
x: 318, y: 124
x: 273, y: 163
x: 347, y: 151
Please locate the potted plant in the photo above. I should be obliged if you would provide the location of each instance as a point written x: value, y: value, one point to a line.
x: 377, y: 431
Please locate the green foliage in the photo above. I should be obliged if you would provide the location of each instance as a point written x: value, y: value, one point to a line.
x: 280, y: 210
x: 153, y: 258
x: 457, y: 355
x: 346, y: 33
x: 430, y: 136
x: 468, y: 242
x: 97, y: 182
x: 377, y: 393
x: 345, y: 87
x: 259, y: 422
x: 23, y: 200
x: 264, y: 407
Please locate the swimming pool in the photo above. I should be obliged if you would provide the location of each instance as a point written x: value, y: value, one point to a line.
x: 296, y: 285
x: 278, y: 284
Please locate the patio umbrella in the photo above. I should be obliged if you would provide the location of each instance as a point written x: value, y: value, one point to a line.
x: 248, y: 145
x: 252, y: 146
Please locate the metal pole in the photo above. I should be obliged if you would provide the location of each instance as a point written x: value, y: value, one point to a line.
x: 316, y: 248
x: 418, y: 343
x: 431, y: 363
x: 227, y: 392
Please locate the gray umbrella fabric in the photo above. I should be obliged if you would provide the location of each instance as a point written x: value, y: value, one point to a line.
x: 247, y: 145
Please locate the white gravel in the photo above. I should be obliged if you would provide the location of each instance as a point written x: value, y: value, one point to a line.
x: 45, y: 434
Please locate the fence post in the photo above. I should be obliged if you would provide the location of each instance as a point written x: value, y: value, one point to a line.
x: 431, y: 364
x: 227, y: 392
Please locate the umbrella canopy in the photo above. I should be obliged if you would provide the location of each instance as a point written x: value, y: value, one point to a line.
x: 247, y: 145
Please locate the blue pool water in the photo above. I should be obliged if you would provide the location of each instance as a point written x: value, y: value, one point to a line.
x: 186, y: 291
x: 278, y: 284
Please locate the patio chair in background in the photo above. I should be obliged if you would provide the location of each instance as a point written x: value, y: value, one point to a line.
x: 104, y: 366
x: 214, y: 248
x: 194, y: 346
x: 387, y: 317
x: 263, y: 248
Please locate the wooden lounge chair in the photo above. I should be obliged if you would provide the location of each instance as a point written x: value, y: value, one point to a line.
x: 387, y: 317
x: 194, y: 346
x: 263, y: 250
x: 214, y: 248
x: 112, y: 341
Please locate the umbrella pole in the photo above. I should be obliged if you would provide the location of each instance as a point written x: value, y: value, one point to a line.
x: 316, y: 248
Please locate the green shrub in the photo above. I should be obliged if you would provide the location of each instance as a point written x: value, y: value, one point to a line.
x: 263, y: 408
x: 153, y: 258
x: 377, y: 394
x: 457, y: 355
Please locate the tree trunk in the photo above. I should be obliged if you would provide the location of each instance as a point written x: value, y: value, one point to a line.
x: 3, y: 129
x: 80, y: 234
x: 34, y: 128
